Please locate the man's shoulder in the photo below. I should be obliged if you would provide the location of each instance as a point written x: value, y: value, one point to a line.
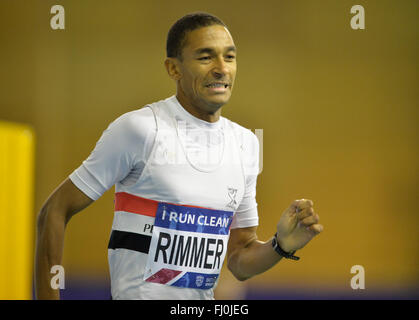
x: 249, y: 144
x: 245, y: 135
x: 136, y: 123
x: 136, y: 114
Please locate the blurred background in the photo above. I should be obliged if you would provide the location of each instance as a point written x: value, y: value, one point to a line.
x: 338, y: 108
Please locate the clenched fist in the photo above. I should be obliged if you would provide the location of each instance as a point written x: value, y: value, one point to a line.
x: 298, y: 225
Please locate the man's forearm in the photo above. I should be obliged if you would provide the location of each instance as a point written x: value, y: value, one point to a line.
x: 255, y: 258
x: 49, y: 248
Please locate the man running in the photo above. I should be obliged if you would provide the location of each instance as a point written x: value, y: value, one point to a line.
x: 185, y: 185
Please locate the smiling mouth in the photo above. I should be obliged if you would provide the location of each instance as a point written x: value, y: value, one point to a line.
x: 218, y: 85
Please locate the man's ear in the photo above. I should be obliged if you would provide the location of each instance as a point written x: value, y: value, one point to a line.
x: 173, y: 68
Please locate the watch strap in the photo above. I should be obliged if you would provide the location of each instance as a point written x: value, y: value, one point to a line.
x: 282, y: 253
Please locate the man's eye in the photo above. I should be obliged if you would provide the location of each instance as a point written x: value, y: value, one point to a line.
x: 230, y: 57
x: 204, y: 58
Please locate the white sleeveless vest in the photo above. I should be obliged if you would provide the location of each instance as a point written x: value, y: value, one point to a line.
x: 170, y: 230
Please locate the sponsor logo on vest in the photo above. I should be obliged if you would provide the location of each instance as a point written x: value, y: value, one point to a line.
x: 232, y: 193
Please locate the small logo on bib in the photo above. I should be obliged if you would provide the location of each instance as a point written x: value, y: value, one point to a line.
x: 199, y: 281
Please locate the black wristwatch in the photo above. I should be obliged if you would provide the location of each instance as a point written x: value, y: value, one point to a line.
x: 282, y: 253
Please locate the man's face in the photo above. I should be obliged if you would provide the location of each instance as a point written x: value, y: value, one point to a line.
x: 208, y: 68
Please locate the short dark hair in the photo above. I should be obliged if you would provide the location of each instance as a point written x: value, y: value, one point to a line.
x: 177, y: 33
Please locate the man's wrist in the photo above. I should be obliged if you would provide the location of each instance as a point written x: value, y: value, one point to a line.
x: 277, y: 247
x: 281, y: 243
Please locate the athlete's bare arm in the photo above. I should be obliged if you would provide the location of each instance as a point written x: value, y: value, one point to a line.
x: 61, y: 205
x: 247, y: 256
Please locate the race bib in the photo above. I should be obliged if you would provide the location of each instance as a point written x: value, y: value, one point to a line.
x: 188, y: 246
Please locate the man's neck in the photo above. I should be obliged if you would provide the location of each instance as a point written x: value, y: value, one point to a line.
x: 198, y: 112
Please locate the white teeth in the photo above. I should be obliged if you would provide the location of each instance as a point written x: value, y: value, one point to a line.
x: 217, y: 85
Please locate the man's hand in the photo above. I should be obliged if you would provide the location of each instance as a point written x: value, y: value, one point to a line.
x: 298, y: 225
x: 247, y: 256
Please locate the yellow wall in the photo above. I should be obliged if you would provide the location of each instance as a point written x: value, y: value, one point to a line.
x: 338, y: 109
x: 17, y: 146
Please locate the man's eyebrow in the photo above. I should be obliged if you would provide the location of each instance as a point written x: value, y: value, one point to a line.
x: 211, y: 50
x: 231, y: 48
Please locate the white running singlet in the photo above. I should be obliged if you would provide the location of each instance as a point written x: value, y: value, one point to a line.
x: 181, y: 184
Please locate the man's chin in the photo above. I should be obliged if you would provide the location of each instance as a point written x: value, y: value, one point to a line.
x: 217, y: 102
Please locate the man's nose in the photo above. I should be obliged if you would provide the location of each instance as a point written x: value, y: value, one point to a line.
x: 220, y: 68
